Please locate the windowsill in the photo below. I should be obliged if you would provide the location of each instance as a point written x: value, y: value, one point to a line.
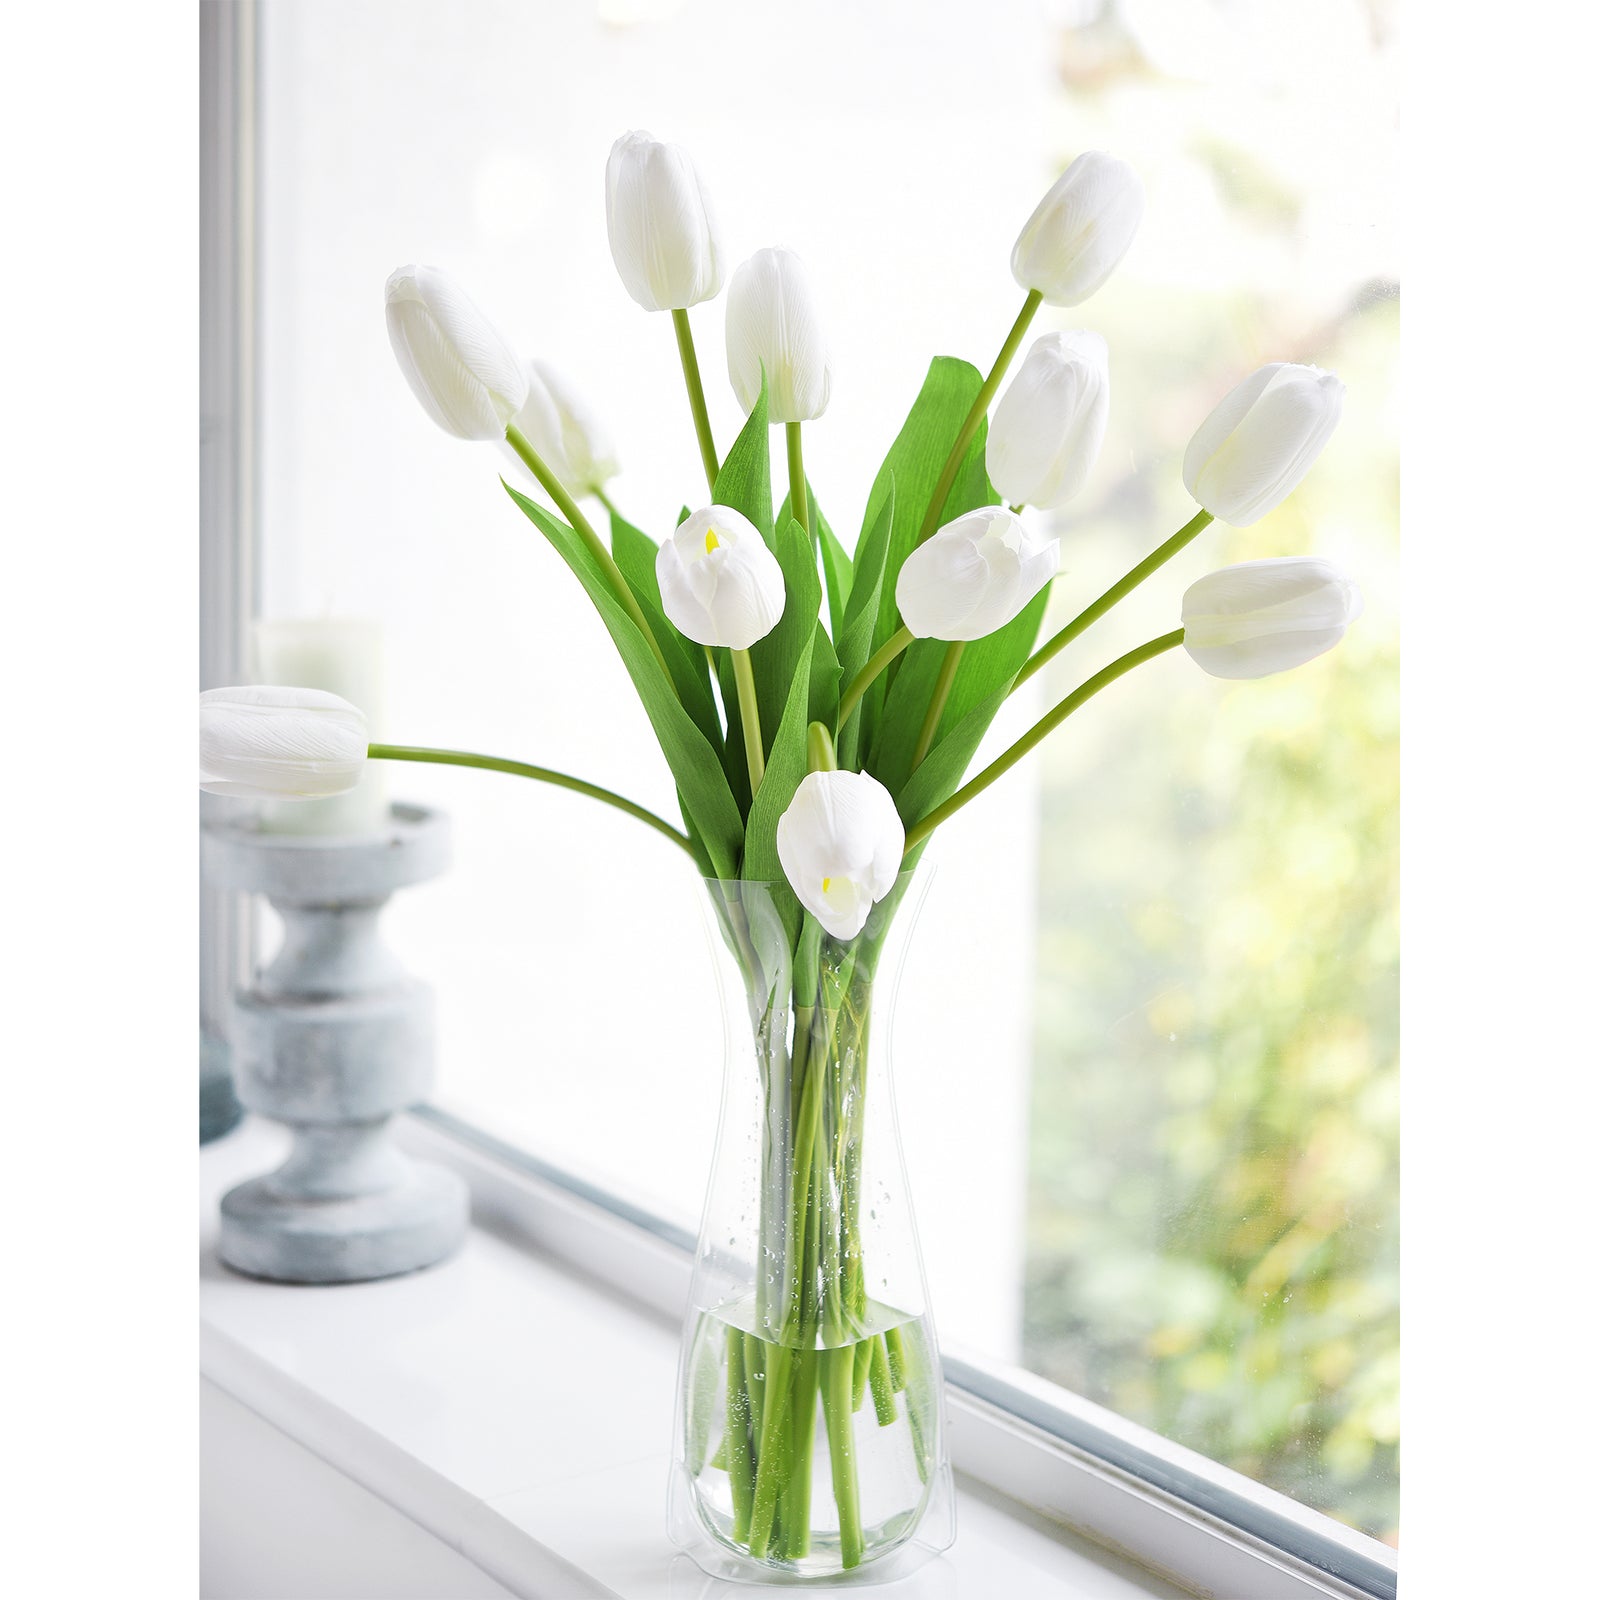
x: 521, y: 1413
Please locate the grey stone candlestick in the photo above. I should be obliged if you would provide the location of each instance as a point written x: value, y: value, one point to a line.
x: 332, y: 1040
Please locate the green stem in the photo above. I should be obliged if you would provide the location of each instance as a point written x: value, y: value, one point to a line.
x: 580, y: 524
x: 797, y: 1501
x: 838, y: 1371
x: 741, y: 1476
x: 980, y: 408
x: 941, y: 693
x: 521, y: 769
x: 750, y: 718
x: 863, y: 679
x: 697, y: 397
x: 1124, y: 586
x: 1045, y: 725
x: 799, y: 499
x: 820, y: 756
x: 882, y: 1387
x: 606, y: 501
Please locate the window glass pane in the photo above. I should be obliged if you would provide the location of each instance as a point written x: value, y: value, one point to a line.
x: 1149, y: 1017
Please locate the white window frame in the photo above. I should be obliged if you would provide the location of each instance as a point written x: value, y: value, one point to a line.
x: 1172, y: 1510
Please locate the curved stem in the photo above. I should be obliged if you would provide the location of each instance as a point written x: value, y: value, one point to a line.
x: 521, y: 769
x: 1124, y: 585
x: 863, y: 679
x: 980, y: 407
x: 799, y: 499
x: 580, y: 524
x: 1045, y: 725
x: 599, y: 493
x: 750, y: 717
x: 941, y: 693
x: 697, y: 397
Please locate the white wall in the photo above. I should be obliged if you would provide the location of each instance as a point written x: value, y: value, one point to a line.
x: 898, y: 147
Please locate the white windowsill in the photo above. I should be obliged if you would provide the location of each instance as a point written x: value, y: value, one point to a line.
x: 521, y: 1413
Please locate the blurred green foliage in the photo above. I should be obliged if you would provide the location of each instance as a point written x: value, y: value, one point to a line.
x: 1213, y: 1185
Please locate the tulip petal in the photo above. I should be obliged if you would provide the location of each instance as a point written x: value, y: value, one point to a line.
x: 840, y: 843
x: 773, y: 325
x: 1080, y: 230
x: 1261, y: 440
x: 273, y: 741
x: 660, y: 221
x: 1262, y: 617
x: 974, y: 575
x: 464, y: 374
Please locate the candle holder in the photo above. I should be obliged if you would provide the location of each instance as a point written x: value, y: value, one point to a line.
x: 332, y: 1040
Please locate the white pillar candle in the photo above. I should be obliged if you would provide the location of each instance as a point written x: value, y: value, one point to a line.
x: 345, y: 658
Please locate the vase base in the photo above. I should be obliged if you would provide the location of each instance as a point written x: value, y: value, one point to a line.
x: 933, y: 1535
x: 287, y: 1238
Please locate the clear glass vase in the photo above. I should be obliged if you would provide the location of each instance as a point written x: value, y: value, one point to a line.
x: 809, y: 1439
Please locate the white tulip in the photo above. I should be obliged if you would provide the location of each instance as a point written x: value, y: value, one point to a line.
x: 467, y: 377
x: 974, y: 575
x: 840, y: 843
x: 1261, y: 617
x: 1050, y: 424
x: 1262, y: 439
x: 564, y: 432
x: 263, y: 741
x: 773, y: 322
x: 663, y: 231
x: 720, y: 584
x: 1080, y: 230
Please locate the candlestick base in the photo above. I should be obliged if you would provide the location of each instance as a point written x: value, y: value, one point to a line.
x: 332, y: 1040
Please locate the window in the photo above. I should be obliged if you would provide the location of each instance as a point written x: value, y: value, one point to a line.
x: 1168, y: 1068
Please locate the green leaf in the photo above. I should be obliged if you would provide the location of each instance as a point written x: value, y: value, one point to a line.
x: 944, y: 767
x: 835, y: 562
x: 745, y: 481
x: 855, y: 637
x: 786, y: 766
x: 912, y: 467
x: 825, y: 680
x: 708, y: 806
x: 987, y: 664
x: 776, y: 658
x: 635, y: 554
x: 836, y: 572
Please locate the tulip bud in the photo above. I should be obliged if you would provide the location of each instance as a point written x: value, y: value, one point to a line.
x: 565, y: 434
x: 1261, y: 617
x: 720, y: 584
x: 840, y: 843
x: 1263, y: 438
x: 974, y: 575
x: 265, y: 742
x: 773, y: 322
x: 1049, y: 425
x: 466, y: 376
x: 663, y: 232
x: 1080, y: 230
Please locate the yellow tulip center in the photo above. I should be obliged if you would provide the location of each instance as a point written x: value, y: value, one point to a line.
x: 712, y: 541
x: 827, y: 883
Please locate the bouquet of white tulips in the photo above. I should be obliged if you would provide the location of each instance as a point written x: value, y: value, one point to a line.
x: 818, y: 709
